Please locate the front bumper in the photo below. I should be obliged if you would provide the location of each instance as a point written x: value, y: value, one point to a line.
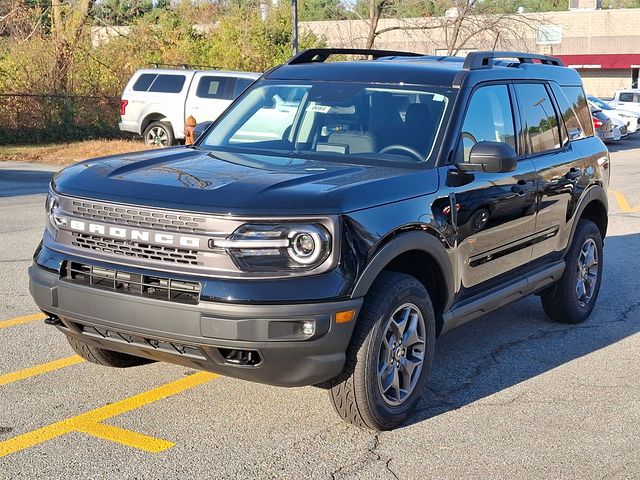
x: 202, y: 335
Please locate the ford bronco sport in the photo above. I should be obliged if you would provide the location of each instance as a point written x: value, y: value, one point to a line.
x: 334, y: 221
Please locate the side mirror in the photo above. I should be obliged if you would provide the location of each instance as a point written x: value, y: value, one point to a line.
x: 491, y: 157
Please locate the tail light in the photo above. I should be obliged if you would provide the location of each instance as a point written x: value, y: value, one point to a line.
x: 597, y: 123
x: 123, y: 106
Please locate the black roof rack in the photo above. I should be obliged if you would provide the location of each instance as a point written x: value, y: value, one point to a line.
x: 184, y: 66
x: 480, y: 60
x: 321, y: 54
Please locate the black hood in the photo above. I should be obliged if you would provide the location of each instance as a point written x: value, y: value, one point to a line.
x: 241, y: 184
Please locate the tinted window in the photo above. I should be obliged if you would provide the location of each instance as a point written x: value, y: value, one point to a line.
x: 332, y: 120
x: 213, y: 87
x: 489, y: 118
x: 539, y: 117
x: 626, y: 97
x: 144, y: 82
x: 241, y: 85
x: 578, y: 101
x: 168, y: 84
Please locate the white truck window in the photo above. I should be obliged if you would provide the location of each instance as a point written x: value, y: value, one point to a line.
x: 214, y: 87
x: 144, y: 82
x: 167, y: 84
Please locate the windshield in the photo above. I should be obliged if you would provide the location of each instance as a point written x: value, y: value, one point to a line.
x: 600, y: 104
x: 336, y: 121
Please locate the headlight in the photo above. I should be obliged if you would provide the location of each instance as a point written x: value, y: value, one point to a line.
x: 53, y: 211
x: 278, y: 247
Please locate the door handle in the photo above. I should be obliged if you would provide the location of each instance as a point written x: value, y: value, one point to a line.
x: 573, y: 173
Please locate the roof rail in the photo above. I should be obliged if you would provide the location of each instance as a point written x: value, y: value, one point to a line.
x: 184, y: 66
x: 480, y: 60
x: 321, y: 54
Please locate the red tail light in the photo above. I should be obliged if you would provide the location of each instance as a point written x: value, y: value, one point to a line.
x: 596, y: 123
x: 123, y: 106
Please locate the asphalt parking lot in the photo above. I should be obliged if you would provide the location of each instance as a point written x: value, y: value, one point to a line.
x: 512, y: 395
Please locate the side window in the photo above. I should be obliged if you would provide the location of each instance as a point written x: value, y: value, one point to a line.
x: 168, y: 84
x: 539, y: 117
x: 144, y: 82
x: 213, y: 87
x: 241, y: 85
x: 626, y: 97
x: 578, y: 101
x: 489, y: 118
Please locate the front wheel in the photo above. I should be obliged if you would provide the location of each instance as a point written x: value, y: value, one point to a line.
x: 572, y: 299
x: 390, y: 356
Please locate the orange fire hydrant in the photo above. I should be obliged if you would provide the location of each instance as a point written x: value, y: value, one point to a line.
x: 189, y: 125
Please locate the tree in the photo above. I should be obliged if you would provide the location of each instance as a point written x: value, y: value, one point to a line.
x: 459, y: 21
x: 68, y: 20
x: 313, y: 10
x: 121, y: 12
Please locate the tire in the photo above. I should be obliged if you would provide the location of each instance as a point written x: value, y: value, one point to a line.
x: 107, y: 358
x: 159, y: 134
x: 563, y: 302
x: 360, y: 395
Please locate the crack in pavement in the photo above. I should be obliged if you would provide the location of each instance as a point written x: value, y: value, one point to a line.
x: 370, y: 456
x: 491, y: 358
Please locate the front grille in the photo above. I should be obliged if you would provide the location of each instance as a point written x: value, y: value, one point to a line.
x: 138, y: 217
x: 136, y: 249
x: 133, y: 284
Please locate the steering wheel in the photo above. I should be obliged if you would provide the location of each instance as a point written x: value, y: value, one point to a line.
x: 406, y: 149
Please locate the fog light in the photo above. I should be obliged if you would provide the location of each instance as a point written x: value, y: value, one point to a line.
x: 308, y: 328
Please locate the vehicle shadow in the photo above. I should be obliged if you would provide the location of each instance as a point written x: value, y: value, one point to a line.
x: 24, y: 182
x: 518, y: 342
x: 630, y: 143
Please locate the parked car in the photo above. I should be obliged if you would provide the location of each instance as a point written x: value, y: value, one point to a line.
x: 624, y: 117
x: 604, y: 127
x: 405, y: 196
x: 156, y: 102
x: 628, y: 99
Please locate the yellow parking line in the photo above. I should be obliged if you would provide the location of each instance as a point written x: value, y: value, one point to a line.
x: 623, y: 204
x: 89, y: 422
x: 21, y: 320
x: 39, y: 369
x: 126, y: 437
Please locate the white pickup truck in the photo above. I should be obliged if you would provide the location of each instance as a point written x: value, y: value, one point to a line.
x: 156, y: 102
x: 627, y: 100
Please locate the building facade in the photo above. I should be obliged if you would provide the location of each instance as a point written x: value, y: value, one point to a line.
x: 603, y: 45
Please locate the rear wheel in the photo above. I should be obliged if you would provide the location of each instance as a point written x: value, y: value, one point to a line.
x: 104, y: 357
x: 390, y: 356
x: 159, y: 134
x: 572, y: 299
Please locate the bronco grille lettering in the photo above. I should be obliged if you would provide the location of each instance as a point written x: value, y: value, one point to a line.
x: 134, y: 234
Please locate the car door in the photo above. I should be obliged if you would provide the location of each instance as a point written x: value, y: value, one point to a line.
x: 209, y: 96
x: 495, y: 212
x: 552, y: 132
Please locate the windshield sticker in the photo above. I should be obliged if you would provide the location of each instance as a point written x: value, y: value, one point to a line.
x: 314, y: 107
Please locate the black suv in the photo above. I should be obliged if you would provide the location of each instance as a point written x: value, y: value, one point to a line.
x: 333, y: 222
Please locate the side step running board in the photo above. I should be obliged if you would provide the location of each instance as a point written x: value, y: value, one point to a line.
x: 490, y: 301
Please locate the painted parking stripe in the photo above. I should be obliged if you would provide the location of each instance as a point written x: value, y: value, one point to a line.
x: 90, y: 422
x: 39, y: 369
x: 20, y: 320
x: 624, y: 204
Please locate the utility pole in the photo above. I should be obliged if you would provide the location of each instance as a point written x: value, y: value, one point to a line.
x: 295, y: 26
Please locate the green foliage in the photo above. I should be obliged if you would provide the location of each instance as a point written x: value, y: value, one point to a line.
x: 312, y: 10
x: 204, y: 33
x: 121, y: 12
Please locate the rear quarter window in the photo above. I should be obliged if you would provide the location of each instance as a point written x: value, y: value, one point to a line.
x: 626, y: 97
x: 578, y: 101
x: 144, y: 82
x: 165, y: 83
